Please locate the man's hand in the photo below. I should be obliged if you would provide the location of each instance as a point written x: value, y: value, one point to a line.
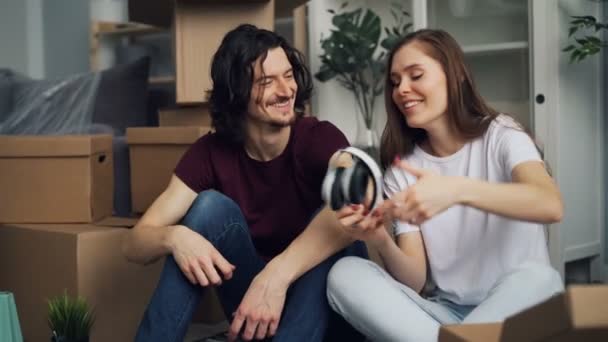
x: 198, y: 259
x: 358, y: 225
x: 260, y: 310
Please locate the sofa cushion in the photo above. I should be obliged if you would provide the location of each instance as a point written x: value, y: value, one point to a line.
x: 122, y: 96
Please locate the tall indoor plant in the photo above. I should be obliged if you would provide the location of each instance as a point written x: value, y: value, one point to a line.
x: 355, y: 56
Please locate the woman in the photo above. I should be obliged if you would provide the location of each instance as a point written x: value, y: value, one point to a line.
x: 467, y: 196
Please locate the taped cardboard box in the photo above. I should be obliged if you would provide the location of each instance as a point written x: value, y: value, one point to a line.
x: 185, y: 116
x: 579, y: 314
x: 154, y: 152
x: 199, y: 26
x: 40, y: 261
x: 56, y: 179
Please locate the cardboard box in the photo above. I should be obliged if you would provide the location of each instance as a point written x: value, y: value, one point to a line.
x: 42, y: 261
x: 160, y: 12
x: 185, y: 116
x: 154, y: 152
x: 579, y: 314
x: 211, y: 19
x: 193, y: 55
x: 53, y: 179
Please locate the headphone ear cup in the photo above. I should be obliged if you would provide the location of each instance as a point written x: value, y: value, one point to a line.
x: 337, y: 200
x: 358, y: 183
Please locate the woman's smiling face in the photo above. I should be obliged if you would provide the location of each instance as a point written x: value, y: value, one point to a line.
x: 419, y: 86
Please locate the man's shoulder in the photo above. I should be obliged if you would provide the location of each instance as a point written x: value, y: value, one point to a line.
x: 213, y: 143
x: 311, y: 125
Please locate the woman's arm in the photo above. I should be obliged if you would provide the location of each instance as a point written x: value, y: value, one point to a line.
x: 531, y: 196
x: 406, y: 260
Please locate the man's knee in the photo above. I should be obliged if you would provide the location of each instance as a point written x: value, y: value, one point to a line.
x: 211, y: 208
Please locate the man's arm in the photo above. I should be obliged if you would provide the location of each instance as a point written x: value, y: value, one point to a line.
x: 324, y: 233
x: 156, y: 235
x: 263, y: 303
x: 150, y: 239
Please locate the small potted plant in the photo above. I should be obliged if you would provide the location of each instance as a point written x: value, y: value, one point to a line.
x: 70, y: 319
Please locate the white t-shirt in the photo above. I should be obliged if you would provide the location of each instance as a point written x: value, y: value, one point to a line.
x: 469, y: 249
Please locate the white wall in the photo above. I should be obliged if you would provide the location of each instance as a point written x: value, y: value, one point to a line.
x: 44, y: 38
x: 13, y: 35
x: 66, y: 37
x: 580, y: 136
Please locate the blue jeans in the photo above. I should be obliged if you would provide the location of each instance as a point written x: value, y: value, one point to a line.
x: 306, y: 314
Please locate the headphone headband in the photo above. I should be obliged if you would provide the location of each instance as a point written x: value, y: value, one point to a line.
x: 370, y: 164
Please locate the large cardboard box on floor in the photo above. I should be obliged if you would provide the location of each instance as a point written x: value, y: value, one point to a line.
x: 40, y: 261
x: 52, y: 179
x: 199, y: 26
x: 185, y: 116
x: 154, y: 152
x: 579, y: 314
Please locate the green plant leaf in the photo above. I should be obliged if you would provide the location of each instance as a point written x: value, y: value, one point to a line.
x: 344, y: 4
x: 394, y: 14
x: 70, y: 317
x: 325, y: 74
x: 331, y: 11
x: 574, y: 55
x: 593, y: 40
x: 581, y: 41
x: 572, y: 31
x: 569, y: 48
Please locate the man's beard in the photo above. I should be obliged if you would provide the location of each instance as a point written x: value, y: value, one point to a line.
x: 283, y: 123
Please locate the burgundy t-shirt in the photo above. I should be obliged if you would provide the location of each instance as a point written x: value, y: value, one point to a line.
x: 277, y: 197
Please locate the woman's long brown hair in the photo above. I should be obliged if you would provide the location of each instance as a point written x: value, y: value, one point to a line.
x: 467, y: 111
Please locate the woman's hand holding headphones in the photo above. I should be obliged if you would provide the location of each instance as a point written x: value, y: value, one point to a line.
x: 430, y: 195
x: 359, y: 225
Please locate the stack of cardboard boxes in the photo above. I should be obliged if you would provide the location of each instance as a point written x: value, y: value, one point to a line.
x: 57, y: 232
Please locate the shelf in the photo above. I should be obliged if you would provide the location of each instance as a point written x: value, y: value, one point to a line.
x: 106, y: 28
x: 103, y: 30
x: 161, y: 79
x: 488, y: 49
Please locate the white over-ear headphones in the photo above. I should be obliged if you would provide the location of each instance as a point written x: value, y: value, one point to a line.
x: 343, y: 186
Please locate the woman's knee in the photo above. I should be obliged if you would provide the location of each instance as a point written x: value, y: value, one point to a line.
x: 345, y: 275
x: 542, y: 277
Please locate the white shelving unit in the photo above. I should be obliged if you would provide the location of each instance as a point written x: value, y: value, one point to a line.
x: 513, y: 48
x: 497, y: 48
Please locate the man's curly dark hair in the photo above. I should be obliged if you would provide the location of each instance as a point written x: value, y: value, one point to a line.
x: 232, y: 76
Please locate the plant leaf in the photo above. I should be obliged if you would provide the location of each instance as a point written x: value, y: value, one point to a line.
x: 568, y: 48
x: 325, y: 74
x: 594, y: 40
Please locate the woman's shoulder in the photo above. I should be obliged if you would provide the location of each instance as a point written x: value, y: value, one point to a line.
x: 505, y: 122
x: 502, y: 126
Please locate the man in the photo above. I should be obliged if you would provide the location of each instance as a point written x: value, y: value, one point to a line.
x: 248, y: 197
